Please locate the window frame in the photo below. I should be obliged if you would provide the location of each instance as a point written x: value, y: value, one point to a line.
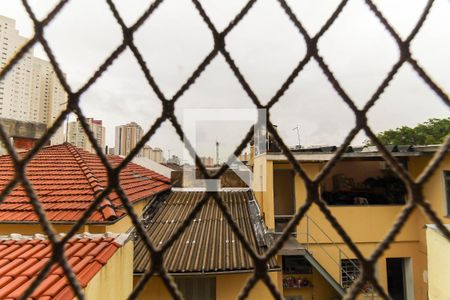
x: 446, y: 188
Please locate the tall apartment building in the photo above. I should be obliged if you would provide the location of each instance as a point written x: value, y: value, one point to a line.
x: 155, y: 154
x: 79, y: 138
x: 126, y: 138
x: 31, y: 91
x: 208, y: 161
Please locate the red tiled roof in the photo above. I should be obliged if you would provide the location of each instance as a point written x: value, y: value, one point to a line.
x: 21, y: 259
x: 66, y: 180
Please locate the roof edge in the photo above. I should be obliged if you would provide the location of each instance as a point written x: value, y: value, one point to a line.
x: 105, y: 207
x: 213, y: 273
x: 119, y: 238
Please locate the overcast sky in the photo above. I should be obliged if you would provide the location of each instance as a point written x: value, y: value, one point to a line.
x: 266, y: 47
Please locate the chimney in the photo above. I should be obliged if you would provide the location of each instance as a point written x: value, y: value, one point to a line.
x: 23, y: 143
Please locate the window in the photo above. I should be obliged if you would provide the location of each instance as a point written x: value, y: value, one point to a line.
x: 349, y: 271
x: 447, y: 190
x: 193, y: 288
x: 346, y: 184
x: 296, y: 264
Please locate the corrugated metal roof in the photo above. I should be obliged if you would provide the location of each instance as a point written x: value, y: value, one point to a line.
x: 208, y: 244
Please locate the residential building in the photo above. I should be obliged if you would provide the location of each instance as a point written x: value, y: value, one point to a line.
x: 207, y: 161
x: 94, y: 258
x: 15, y: 88
x: 67, y: 180
x: 155, y: 154
x: 22, y: 135
x: 79, y: 138
x: 158, y: 155
x: 127, y: 136
x: 365, y: 197
x: 174, y: 159
x: 31, y: 91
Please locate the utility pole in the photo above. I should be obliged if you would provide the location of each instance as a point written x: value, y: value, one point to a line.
x: 298, y: 134
x: 217, y: 153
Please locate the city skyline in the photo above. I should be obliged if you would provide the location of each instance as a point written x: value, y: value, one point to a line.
x: 322, y: 116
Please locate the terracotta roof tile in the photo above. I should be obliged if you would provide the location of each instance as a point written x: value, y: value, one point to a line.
x: 67, y: 179
x: 87, y: 254
x: 12, y: 286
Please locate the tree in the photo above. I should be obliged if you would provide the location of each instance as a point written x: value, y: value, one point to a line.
x: 433, y: 131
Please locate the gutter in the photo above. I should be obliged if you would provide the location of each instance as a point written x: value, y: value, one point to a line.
x: 212, y: 273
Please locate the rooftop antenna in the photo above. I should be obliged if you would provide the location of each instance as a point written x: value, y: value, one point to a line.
x: 298, y: 134
x: 217, y: 152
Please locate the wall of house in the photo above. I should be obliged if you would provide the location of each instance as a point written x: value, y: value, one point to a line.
x: 227, y: 287
x: 121, y: 226
x: 366, y: 225
x: 115, y: 279
x: 263, y: 189
x: 284, y: 199
x: 438, y: 264
x: 154, y: 289
x: 434, y: 189
x: 320, y: 289
x: 230, y: 286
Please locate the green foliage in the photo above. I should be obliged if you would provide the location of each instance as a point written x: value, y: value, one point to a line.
x: 433, y: 131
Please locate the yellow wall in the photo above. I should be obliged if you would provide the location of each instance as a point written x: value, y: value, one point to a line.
x: 263, y: 186
x: 227, y: 287
x: 434, y: 188
x: 366, y: 225
x: 230, y: 286
x: 155, y: 289
x: 438, y: 265
x: 115, y: 279
x: 121, y: 226
x: 320, y: 289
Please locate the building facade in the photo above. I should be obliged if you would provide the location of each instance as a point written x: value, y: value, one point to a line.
x: 207, y: 161
x: 78, y: 138
x: 31, y: 91
x: 126, y: 138
x: 155, y: 154
x: 365, y: 197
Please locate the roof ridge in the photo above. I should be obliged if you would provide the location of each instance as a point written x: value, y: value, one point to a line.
x: 106, y: 207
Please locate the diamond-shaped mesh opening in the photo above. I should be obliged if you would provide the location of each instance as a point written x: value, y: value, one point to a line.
x: 366, y: 263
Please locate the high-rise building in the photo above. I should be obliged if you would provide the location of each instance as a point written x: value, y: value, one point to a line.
x: 79, y: 138
x: 127, y: 136
x: 31, y: 91
x: 208, y: 161
x: 158, y: 155
x: 155, y: 154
